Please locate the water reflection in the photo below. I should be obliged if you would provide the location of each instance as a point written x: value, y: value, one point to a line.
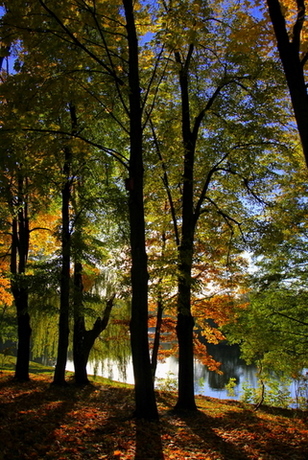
x: 212, y: 384
x: 207, y: 383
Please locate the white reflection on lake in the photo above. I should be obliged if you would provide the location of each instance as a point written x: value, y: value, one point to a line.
x: 206, y: 383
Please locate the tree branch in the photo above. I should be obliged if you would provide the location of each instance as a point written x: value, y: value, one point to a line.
x: 298, y: 26
x: 166, y: 184
x: 291, y: 318
x: 118, y: 156
x: 206, y: 186
x: 228, y: 219
x: 79, y: 44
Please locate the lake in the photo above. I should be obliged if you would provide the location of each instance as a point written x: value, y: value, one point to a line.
x: 207, y: 383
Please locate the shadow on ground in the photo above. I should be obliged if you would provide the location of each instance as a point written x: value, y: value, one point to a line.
x: 42, y: 421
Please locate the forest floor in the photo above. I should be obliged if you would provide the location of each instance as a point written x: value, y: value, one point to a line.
x: 41, y: 421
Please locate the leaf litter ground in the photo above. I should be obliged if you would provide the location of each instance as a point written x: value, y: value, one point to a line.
x: 41, y: 421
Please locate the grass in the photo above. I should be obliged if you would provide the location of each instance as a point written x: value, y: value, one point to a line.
x: 7, y: 365
x: 41, y: 421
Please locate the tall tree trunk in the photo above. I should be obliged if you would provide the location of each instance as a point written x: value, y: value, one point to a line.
x: 144, y: 385
x: 83, y: 340
x: 79, y: 353
x: 184, y: 329
x: 20, y: 295
x: 23, y: 349
x: 289, y: 51
x: 19, y: 256
x: 63, y: 341
x: 185, y: 322
x: 159, y: 314
x: 159, y: 319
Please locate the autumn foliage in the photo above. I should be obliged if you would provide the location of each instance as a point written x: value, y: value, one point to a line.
x: 39, y: 421
x: 145, y: 148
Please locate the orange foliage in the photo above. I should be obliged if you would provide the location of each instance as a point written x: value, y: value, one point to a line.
x: 203, y: 356
x: 209, y: 315
x: 6, y: 297
x: 89, y: 277
x: 43, y: 229
x: 5, y: 294
x: 96, y: 422
x: 168, y: 340
x: 219, y: 308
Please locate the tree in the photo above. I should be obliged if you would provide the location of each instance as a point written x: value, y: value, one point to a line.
x: 102, y: 38
x: 214, y: 129
x: 63, y: 342
x: 17, y: 190
x: 193, y: 104
x: 272, y: 330
x: 22, y: 198
x: 83, y: 340
x: 289, y: 27
x: 144, y: 385
x: 6, y: 300
x: 89, y: 254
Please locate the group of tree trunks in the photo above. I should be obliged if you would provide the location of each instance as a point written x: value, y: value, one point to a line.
x: 83, y: 340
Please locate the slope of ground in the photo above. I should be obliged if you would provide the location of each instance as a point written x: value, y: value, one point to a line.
x: 41, y: 421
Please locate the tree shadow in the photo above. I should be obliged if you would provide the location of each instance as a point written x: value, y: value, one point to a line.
x: 289, y: 413
x: 95, y: 421
x: 207, y: 441
x: 242, y: 429
x: 204, y: 440
x: 143, y: 437
x: 274, y: 439
x: 31, y: 415
x: 148, y: 440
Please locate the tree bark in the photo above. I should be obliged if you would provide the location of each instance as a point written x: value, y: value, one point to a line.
x: 23, y: 349
x: 83, y: 340
x: 80, y: 352
x: 289, y: 51
x: 184, y: 329
x: 144, y: 386
x: 63, y: 341
x: 159, y: 315
x: 185, y: 322
x: 80, y: 355
x: 159, y: 318
x: 186, y: 396
x: 19, y: 286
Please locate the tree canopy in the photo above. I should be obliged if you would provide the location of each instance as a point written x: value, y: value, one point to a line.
x: 148, y: 152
